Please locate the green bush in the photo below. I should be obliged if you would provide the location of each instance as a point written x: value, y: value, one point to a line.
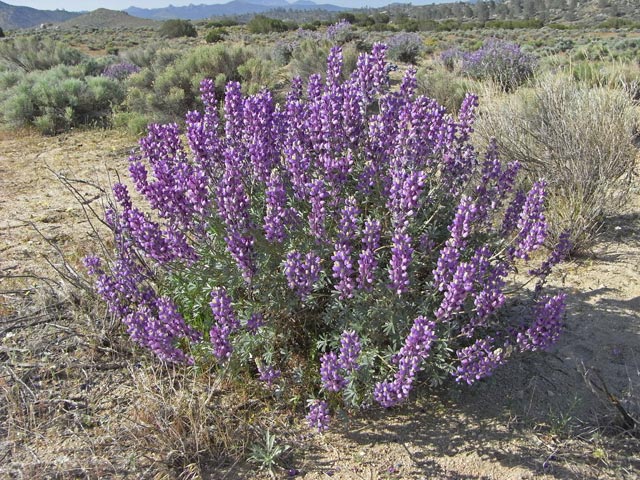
x: 55, y: 100
x: 310, y: 57
x: 31, y: 53
x: 447, y: 87
x: 177, y: 28
x: 166, y: 92
x: 262, y: 24
x: 215, y: 35
x: 134, y: 123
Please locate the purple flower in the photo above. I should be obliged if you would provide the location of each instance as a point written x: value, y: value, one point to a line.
x: 416, y: 348
x: 318, y: 196
x: 302, y: 272
x: 349, y: 351
x: 368, y: 263
x: 557, y: 255
x: 532, y: 225
x: 546, y: 327
x: 343, y: 270
x: 332, y: 380
x: 318, y: 416
x: 401, y: 253
x: 225, y: 323
x: 255, y: 322
x: 268, y: 374
x: 277, y: 214
x: 478, y: 361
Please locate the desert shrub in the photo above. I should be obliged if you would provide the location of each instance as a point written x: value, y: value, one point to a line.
x: 337, y: 246
x: 310, y: 56
x: 177, y: 28
x: 617, y: 75
x: 405, y: 47
x: 31, y: 53
x: 579, y: 138
x: 54, y: 101
x: 141, y: 56
x: 166, y: 93
x: 215, y: 35
x: 258, y: 73
x: 262, y: 24
x: 134, y: 123
x: 502, y: 62
x: 448, y: 88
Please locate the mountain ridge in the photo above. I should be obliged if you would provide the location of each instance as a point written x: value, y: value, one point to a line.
x: 13, y: 17
x: 234, y: 7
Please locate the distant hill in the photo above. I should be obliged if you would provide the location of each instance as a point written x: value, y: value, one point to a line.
x: 104, y: 18
x: 235, y: 7
x: 13, y: 17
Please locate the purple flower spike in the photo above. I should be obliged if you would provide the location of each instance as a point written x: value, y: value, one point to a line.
x: 318, y: 416
x: 225, y: 323
x: 332, y: 380
x: 478, y: 361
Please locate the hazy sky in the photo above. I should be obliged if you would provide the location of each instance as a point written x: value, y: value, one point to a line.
x: 79, y: 5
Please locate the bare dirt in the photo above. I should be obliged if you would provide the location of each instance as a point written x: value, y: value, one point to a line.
x: 77, y: 402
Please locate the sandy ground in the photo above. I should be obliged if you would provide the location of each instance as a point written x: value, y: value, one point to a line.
x: 68, y: 405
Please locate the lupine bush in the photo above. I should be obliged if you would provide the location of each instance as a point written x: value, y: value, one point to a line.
x: 502, y: 62
x: 120, y: 71
x: 340, y: 32
x: 337, y: 246
x: 405, y: 47
x: 449, y: 57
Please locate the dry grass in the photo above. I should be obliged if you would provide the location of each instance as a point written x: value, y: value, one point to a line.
x: 579, y: 138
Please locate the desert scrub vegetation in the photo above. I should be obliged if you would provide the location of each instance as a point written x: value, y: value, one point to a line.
x: 166, y: 87
x: 579, y: 137
x: 502, y: 62
x: 31, y: 53
x: 57, y: 99
x: 177, y: 28
x: 334, y: 248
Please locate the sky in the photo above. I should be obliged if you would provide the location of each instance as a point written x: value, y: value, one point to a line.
x: 81, y: 5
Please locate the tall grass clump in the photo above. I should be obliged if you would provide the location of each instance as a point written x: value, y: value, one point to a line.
x: 580, y: 138
x: 502, y: 62
x: 336, y: 247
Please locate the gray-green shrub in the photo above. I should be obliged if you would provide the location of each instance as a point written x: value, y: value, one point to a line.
x: 579, y: 138
x: 31, y: 53
x: 177, y: 28
x: 166, y: 91
x: 310, y: 57
x: 56, y: 100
